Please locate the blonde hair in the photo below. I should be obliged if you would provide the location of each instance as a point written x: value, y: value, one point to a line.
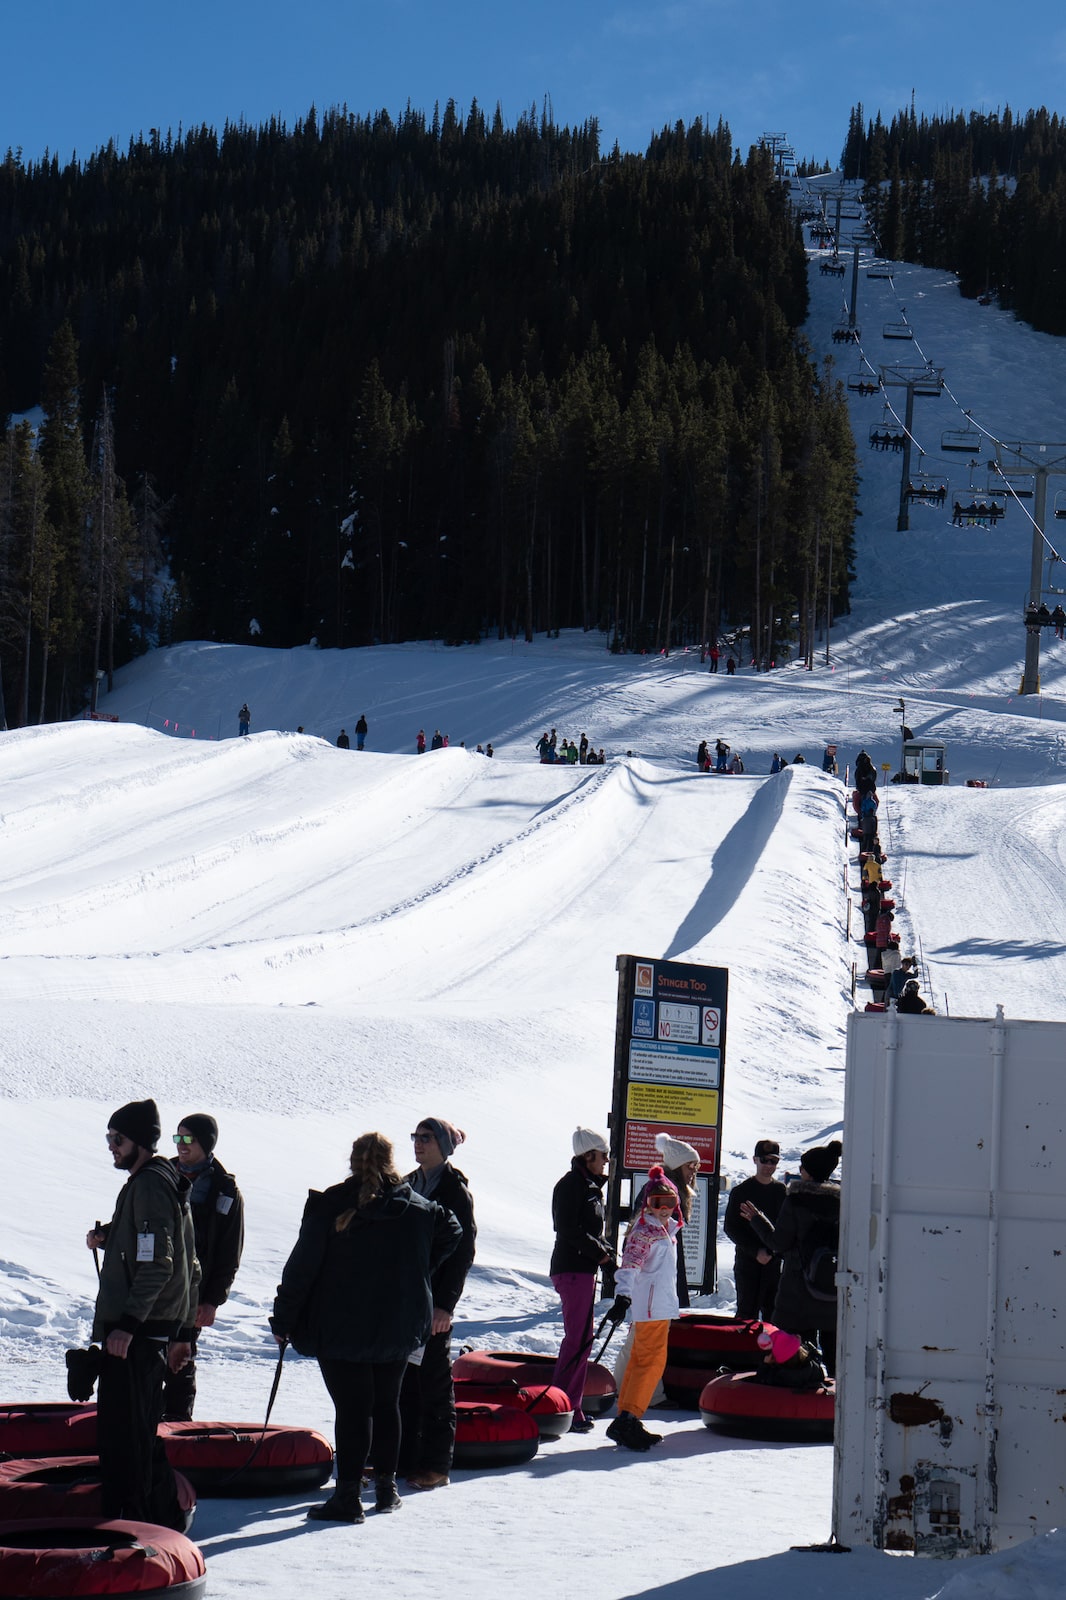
x: 373, y: 1164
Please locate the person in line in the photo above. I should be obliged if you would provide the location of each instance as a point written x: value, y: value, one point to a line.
x: 808, y: 1225
x: 730, y: 667
x: 217, y: 1207
x: 356, y: 1294
x: 911, y: 1002
x: 775, y: 765
x: 361, y: 731
x: 437, y: 742
x: 144, y: 1320
x: 545, y: 754
x: 489, y: 751
x: 244, y: 721
x: 580, y: 1250
x: 420, y: 742
x: 427, y: 1397
x: 756, y: 1269
x: 343, y: 741
x: 702, y: 757
x: 646, y: 1293
x: 715, y: 657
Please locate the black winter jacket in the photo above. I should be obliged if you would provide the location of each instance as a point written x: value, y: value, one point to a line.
x: 449, y: 1278
x: 219, y: 1225
x: 577, y: 1216
x: 767, y: 1198
x: 795, y: 1308
x: 361, y: 1292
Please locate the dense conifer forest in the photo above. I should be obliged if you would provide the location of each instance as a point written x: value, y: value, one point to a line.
x: 983, y: 195
x: 373, y: 380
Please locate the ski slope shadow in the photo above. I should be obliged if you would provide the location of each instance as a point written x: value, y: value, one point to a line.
x: 732, y: 864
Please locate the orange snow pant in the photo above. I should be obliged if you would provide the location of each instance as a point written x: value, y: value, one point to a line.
x: 646, y: 1366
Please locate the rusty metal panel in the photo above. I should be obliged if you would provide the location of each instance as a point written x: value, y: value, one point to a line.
x: 951, y: 1389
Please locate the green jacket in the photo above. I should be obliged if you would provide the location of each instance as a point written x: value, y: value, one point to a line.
x: 150, y: 1276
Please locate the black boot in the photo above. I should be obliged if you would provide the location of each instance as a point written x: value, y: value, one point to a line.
x: 385, y: 1496
x: 627, y: 1431
x: 343, y: 1505
x: 652, y: 1438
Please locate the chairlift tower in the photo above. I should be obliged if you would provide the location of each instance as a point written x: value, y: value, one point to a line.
x: 927, y: 381
x: 1043, y: 461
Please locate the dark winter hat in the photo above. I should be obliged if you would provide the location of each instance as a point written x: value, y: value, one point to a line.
x: 447, y: 1135
x: 203, y: 1128
x: 822, y: 1160
x: 138, y: 1121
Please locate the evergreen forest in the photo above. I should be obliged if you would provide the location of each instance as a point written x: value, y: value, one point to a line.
x: 373, y: 380
x: 983, y: 195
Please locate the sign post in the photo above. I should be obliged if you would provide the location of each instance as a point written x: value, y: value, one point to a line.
x: 669, y: 1065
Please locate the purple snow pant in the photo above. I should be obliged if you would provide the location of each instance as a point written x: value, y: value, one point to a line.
x: 577, y: 1291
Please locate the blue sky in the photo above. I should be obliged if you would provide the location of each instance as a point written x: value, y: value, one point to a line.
x: 76, y: 75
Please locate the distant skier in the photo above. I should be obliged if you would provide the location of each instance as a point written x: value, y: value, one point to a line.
x: 343, y: 741
x: 730, y: 666
x: 244, y: 721
x: 360, y: 733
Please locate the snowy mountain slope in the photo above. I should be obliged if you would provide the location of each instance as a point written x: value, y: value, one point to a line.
x: 310, y: 942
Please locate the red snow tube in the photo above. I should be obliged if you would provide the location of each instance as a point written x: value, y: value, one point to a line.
x: 701, y: 1339
x: 217, y: 1457
x: 550, y: 1408
x: 738, y: 1403
x: 77, y: 1556
x: 531, y: 1372
x: 47, y: 1430
x: 493, y: 1436
x: 59, y: 1487
x: 684, y: 1385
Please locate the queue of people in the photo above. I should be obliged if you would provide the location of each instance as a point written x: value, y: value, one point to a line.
x: 553, y: 752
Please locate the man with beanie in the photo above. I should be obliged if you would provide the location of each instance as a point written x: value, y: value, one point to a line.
x: 145, y: 1318
x: 218, y: 1221
x: 580, y: 1250
x: 756, y: 1268
x: 427, y: 1397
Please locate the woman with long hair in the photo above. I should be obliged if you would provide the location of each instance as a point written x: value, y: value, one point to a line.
x: 355, y: 1294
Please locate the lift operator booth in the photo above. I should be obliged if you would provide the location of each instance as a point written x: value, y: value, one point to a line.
x: 925, y: 761
x: 951, y: 1361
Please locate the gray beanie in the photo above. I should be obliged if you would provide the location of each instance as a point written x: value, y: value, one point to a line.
x: 447, y: 1135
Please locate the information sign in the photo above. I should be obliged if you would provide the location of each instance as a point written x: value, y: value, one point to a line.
x: 670, y: 1041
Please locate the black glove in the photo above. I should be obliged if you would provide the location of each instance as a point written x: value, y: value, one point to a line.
x: 83, y: 1369
x: 618, y: 1311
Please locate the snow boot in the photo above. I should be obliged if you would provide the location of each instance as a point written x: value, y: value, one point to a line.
x: 652, y: 1438
x: 343, y: 1505
x: 627, y: 1431
x: 385, y: 1495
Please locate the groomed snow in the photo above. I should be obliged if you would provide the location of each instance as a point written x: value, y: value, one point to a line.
x: 310, y: 942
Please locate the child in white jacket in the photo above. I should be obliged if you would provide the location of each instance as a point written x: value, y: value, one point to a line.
x: 646, y: 1289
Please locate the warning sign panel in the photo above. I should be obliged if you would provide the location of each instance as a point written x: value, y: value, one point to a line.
x: 675, y: 1063
x: 712, y: 1026
x: 639, y: 1152
x: 667, y: 1102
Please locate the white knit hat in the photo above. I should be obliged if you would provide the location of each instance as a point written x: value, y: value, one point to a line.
x: 587, y: 1139
x: 675, y: 1152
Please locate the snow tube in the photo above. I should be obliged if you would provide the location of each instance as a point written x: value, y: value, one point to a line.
x: 550, y: 1408
x: 217, y: 1458
x: 58, y: 1487
x: 702, y: 1339
x: 47, y: 1430
x: 684, y: 1385
x: 77, y: 1556
x: 875, y: 1005
x: 493, y: 1436
x: 738, y: 1403
x: 532, y: 1372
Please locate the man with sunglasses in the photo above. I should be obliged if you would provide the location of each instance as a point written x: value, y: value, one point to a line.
x: 756, y: 1269
x: 218, y: 1222
x: 145, y: 1316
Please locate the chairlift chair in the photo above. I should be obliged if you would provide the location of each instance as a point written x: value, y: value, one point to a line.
x: 863, y: 383
x: 897, y: 330
x: 879, y: 269
x: 845, y: 333
x: 927, y: 489
x: 1060, y: 506
x: 1010, y: 485
x: 967, y: 441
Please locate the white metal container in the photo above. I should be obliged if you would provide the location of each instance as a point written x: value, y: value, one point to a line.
x: 951, y: 1396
